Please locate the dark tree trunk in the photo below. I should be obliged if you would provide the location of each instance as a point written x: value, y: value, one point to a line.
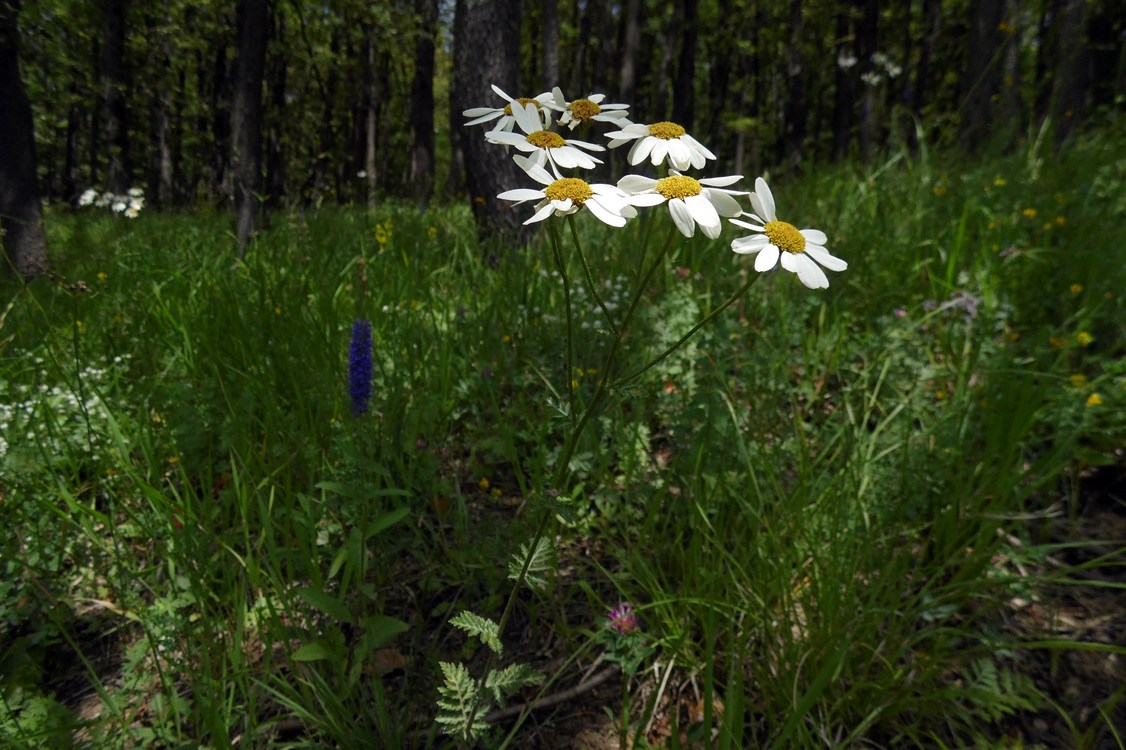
x: 631, y: 47
x: 842, y: 89
x: 719, y: 78
x: 983, y: 78
x: 684, y: 99
x: 422, y: 102
x: 794, y: 123
x: 550, y: 11
x: 114, y: 85
x: 932, y: 20
x: 246, y: 118
x: 275, y: 156
x: 867, y: 40
x: 487, y: 51
x: 371, y: 120
x: 20, y: 211
x: 1072, y: 74
x: 70, y: 160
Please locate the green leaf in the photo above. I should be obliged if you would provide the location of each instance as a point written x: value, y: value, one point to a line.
x: 326, y: 603
x: 378, y: 629
x: 541, y: 564
x: 481, y: 627
x: 505, y: 682
x: 387, y: 520
x: 315, y: 651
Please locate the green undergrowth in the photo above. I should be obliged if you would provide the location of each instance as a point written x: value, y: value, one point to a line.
x: 819, y: 507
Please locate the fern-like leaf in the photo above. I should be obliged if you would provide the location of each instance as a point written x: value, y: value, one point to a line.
x: 481, y: 627
x: 558, y: 505
x: 459, y: 696
x: 538, y: 568
x: 505, y: 682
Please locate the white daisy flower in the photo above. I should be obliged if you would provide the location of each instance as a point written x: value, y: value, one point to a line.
x: 659, y: 140
x: 543, y: 145
x: 542, y: 103
x: 691, y: 201
x: 585, y: 111
x: 561, y: 197
x: 118, y: 205
x: 87, y: 197
x: 776, y: 240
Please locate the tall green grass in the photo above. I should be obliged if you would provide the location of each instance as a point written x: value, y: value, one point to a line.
x: 811, y: 505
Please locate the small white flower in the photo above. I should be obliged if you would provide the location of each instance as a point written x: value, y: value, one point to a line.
x: 118, y: 205
x: 362, y: 174
x: 845, y: 60
x: 131, y: 213
x: 893, y: 70
x: 585, y: 111
x: 871, y: 78
x: 561, y: 197
x: 543, y: 145
x: 661, y: 140
x: 691, y: 201
x: 775, y: 241
x: 87, y: 197
x: 507, y: 118
x: 136, y: 192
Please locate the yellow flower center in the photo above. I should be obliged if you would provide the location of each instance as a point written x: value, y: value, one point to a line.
x: 678, y: 186
x: 523, y: 100
x: 666, y: 130
x: 785, y: 237
x: 546, y: 139
x: 569, y: 187
x: 584, y: 109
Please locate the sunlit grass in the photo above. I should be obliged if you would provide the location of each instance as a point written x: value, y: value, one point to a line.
x: 811, y: 506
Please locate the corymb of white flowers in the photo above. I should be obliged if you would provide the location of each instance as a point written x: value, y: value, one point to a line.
x: 566, y: 195
x: 776, y: 240
x: 504, y: 116
x: 544, y: 145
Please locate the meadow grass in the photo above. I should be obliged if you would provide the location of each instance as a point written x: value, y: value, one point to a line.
x: 822, y: 507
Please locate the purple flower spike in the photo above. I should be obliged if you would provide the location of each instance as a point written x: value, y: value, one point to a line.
x: 623, y: 619
x: 359, y: 367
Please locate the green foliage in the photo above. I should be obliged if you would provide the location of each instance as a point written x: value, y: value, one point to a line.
x: 460, y: 713
x: 536, y: 569
x: 482, y: 628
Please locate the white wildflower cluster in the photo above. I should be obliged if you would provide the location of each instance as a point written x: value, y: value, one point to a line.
x: 128, y: 205
x: 56, y: 421
x: 526, y: 125
x: 881, y: 65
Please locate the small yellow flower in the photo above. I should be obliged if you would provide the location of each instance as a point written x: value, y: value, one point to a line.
x: 939, y: 190
x: 483, y: 484
x: 999, y: 182
x: 992, y: 224
x: 1014, y: 335
x: 80, y: 326
x: 1094, y: 400
x: 506, y: 339
x: 277, y: 310
x: 173, y: 460
x: 497, y: 493
x: 1060, y: 221
x: 1076, y: 288
x: 432, y: 231
x: 1078, y: 380
x: 940, y: 395
x: 1048, y: 225
x: 1057, y: 342
x: 1029, y: 212
x: 1084, y: 338
x: 102, y: 276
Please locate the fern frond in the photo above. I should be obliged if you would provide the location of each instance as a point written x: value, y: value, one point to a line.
x: 540, y: 566
x: 459, y: 696
x: 505, y: 682
x: 481, y: 627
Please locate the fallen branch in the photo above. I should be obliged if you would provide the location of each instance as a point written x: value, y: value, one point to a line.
x: 550, y: 700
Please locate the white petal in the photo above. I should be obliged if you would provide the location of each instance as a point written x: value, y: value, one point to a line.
x: 478, y: 111
x: 679, y: 155
x: 810, y: 273
x: 641, y: 150
x: 816, y: 236
x: 635, y: 183
x: 584, y: 144
x: 545, y: 211
x: 745, y: 225
x: 703, y: 212
x: 660, y: 150
x: 527, y: 117
x: 646, y: 199
x: 563, y: 206
x: 722, y: 181
x: 501, y: 94
x: 695, y: 145
x: 822, y: 256
x: 611, y: 218
x: 767, y: 258
x: 749, y: 245
x: 765, y: 205
x: 534, y: 170
x: 508, y: 139
x: 597, y: 99
x: 682, y: 217
x: 521, y: 194
x: 724, y: 204
x: 491, y: 116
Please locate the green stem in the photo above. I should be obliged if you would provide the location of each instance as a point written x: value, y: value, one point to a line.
x: 564, y: 462
x: 703, y: 321
x: 589, y: 276
x: 557, y: 253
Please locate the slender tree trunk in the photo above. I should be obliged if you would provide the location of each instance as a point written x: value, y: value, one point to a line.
x: 70, y: 161
x: 684, y: 99
x: 487, y: 51
x: 21, y: 221
x: 275, y: 152
x: 631, y: 46
x: 867, y: 41
x: 246, y: 118
x: 983, y: 78
x: 932, y: 20
x: 844, y: 70
x: 371, y: 122
x: 794, y: 120
x: 113, y: 94
x: 550, y: 11
x: 1072, y: 75
x: 422, y: 102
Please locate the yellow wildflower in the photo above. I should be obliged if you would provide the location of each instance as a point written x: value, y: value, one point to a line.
x: 1078, y: 380
x: 1076, y: 288
x: 999, y: 182
x: 1084, y: 338
x: 483, y: 484
x: 1094, y: 400
x: 1029, y: 212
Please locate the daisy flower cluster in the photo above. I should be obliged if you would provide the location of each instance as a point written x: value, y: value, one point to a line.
x: 553, y: 161
x: 128, y: 205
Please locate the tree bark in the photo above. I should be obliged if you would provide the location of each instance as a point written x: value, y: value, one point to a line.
x: 1072, y: 74
x: 983, y: 77
x: 422, y: 102
x: 867, y: 41
x: 487, y: 51
x: 246, y: 118
x: 114, y: 83
x: 794, y: 120
x: 842, y: 89
x: 631, y: 46
x: 684, y: 98
x: 21, y: 218
x: 550, y: 11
